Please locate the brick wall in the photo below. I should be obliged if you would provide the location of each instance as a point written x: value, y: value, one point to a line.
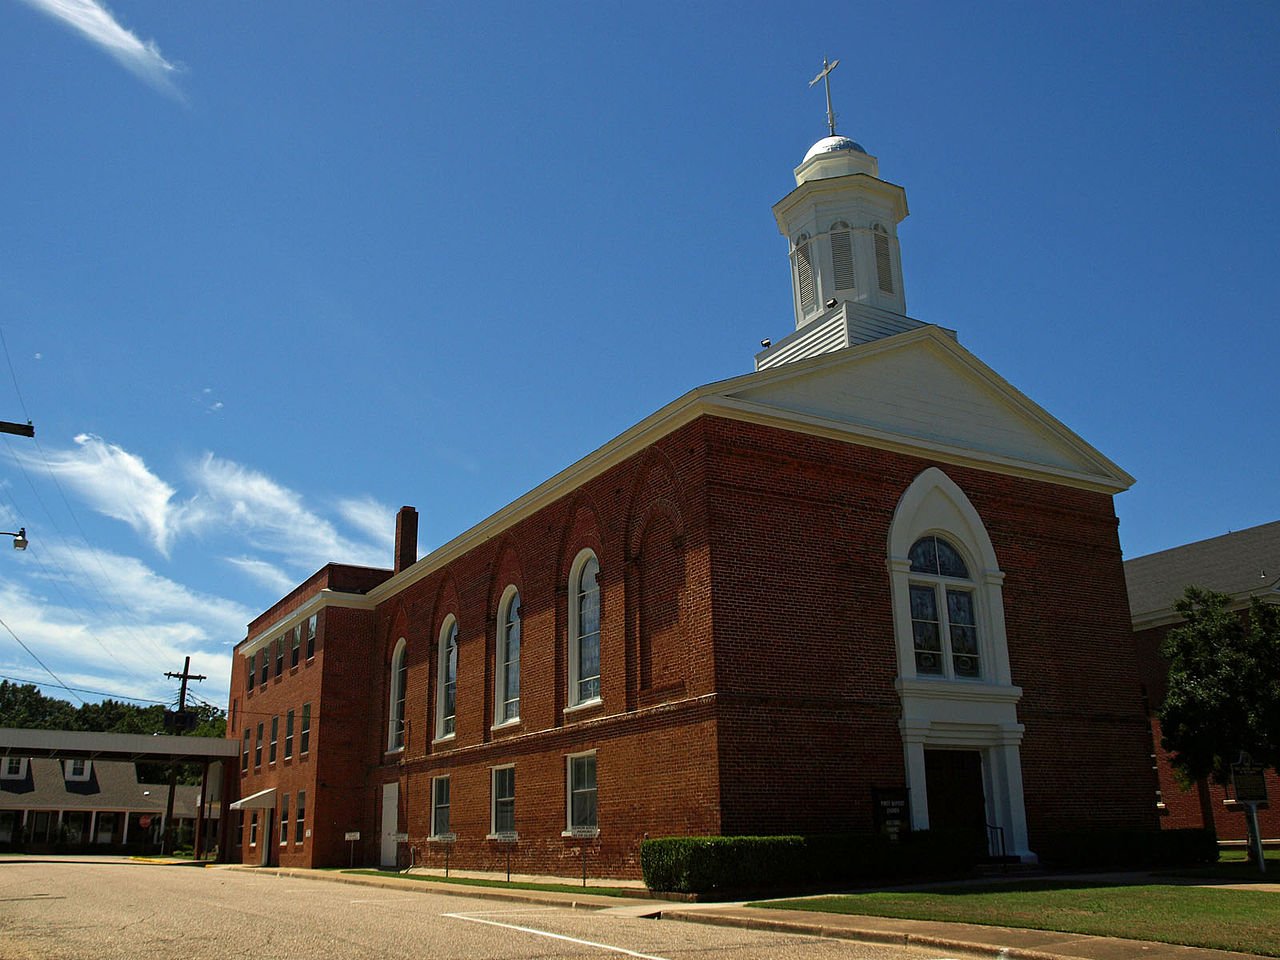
x: 747, y: 658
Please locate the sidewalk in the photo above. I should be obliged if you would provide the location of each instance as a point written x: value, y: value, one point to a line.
x: 973, y: 940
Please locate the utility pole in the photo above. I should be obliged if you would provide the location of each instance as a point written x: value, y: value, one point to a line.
x: 184, y: 676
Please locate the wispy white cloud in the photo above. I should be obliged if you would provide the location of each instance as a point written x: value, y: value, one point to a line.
x: 94, y: 22
x: 118, y: 483
x: 143, y: 625
x: 267, y: 574
x: 373, y: 519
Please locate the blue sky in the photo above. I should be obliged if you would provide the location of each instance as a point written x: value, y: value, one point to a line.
x: 269, y: 271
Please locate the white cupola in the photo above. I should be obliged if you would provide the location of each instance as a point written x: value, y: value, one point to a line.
x: 841, y: 224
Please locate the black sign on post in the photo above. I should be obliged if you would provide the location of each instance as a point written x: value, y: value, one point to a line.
x: 890, y: 810
x: 1248, y: 783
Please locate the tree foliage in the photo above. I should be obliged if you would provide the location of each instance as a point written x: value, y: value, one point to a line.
x: 1224, y: 685
x: 23, y: 705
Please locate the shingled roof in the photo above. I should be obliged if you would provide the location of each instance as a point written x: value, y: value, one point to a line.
x: 1242, y: 564
x: 112, y: 785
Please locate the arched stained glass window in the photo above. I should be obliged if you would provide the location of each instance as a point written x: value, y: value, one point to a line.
x: 943, y: 621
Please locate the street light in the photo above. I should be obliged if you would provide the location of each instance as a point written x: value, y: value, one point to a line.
x: 20, y: 540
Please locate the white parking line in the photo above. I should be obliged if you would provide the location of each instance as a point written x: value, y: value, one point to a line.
x: 554, y: 936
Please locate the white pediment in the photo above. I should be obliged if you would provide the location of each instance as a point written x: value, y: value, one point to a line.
x: 922, y: 389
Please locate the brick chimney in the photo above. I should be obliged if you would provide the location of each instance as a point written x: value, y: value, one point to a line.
x: 406, y: 538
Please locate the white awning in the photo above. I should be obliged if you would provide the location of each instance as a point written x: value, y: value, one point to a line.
x: 262, y: 800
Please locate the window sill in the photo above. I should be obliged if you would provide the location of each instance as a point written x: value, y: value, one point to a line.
x: 579, y: 833
x: 507, y: 837
x: 585, y: 705
x: 445, y: 739
x: 393, y: 750
x: 513, y: 722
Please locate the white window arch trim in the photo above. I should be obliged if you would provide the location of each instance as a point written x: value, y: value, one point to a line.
x: 506, y: 710
x: 575, y: 635
x: 399, y: 685
x: 943, y: 713
x: 447, y: 685
x: 935, y: 506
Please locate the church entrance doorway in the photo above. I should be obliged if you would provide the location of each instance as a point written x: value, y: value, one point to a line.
x: 956, y: 796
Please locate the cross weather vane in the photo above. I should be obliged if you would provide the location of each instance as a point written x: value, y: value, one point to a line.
x: 825, y: 76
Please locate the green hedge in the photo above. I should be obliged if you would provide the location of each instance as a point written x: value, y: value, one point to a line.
x: 724, y: 865
x: 1127, y: 848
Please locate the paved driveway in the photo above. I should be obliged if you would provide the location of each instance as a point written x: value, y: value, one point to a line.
x: 133, y: 911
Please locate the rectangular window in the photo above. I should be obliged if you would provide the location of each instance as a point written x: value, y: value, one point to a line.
x: 504, y: 800
x: 253, y: 829
x: 263, y: 667
x: 235, y: 713
x: 288, y: 735
x: 302, y: 817
x: 295, y: 650
x: 304, y: 738
x: 439, y: 806
x: 582, y: 792
x: 257, y: 749
x: 244, y: 757
x: 284, y: 820
x: 275, y: 734
x: 279, y: 655
x: 251, y: 664
x: 311, y: 636
x: 15, y: 768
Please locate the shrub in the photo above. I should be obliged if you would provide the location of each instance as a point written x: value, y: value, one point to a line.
x: 1128, y: 848
x: 721, y: 865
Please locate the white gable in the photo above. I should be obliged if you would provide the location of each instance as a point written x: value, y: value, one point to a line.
x: 922, y: 389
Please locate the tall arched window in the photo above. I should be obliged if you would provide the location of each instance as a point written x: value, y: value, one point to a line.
x: 507, y: 675
x: 447, y: 680
x: 399, y: 681
x: 944, y: 627
x: 584, y: 629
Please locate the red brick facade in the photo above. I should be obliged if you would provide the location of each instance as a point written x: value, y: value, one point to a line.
x: 748, y: 660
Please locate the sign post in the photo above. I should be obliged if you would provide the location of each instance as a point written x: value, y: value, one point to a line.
x: 508, y: 839
x: 584, y: 833
x: 1250, y: 788
x: 352, y: 836
x: 448, y: 839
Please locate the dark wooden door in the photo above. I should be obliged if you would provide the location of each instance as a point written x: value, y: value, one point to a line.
x: 957, y: 802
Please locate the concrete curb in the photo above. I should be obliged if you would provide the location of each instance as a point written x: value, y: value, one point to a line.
x: 573, y: 901
x: 985, y: 942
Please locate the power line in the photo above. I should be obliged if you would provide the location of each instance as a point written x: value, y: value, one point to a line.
x: 96, y: 693
x: 41, y: 662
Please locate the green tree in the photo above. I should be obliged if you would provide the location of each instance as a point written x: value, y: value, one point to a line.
x: 1224, y: 685
x: 23, y: 705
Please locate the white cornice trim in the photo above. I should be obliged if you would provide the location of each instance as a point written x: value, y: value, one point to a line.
x: 715, y: 399
x: 324, y: 598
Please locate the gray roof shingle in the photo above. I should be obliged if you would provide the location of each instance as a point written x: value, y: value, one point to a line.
x: 1241, y: 564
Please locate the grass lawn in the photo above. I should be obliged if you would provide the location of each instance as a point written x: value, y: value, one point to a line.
x: 1244, y: 920
x: 504, y: 885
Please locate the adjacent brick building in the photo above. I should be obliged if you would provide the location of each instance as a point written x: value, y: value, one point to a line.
x: 870, y: 569
x: 1244, y: 565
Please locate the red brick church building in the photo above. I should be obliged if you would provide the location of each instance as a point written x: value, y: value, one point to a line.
x: 871, y: 567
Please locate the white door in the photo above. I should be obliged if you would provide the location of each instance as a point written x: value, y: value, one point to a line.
x: 390, y: 822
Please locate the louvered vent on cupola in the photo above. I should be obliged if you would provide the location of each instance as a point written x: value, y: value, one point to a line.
x: 842, y: 256
x: 884, y: 264
x: 804, y: 275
